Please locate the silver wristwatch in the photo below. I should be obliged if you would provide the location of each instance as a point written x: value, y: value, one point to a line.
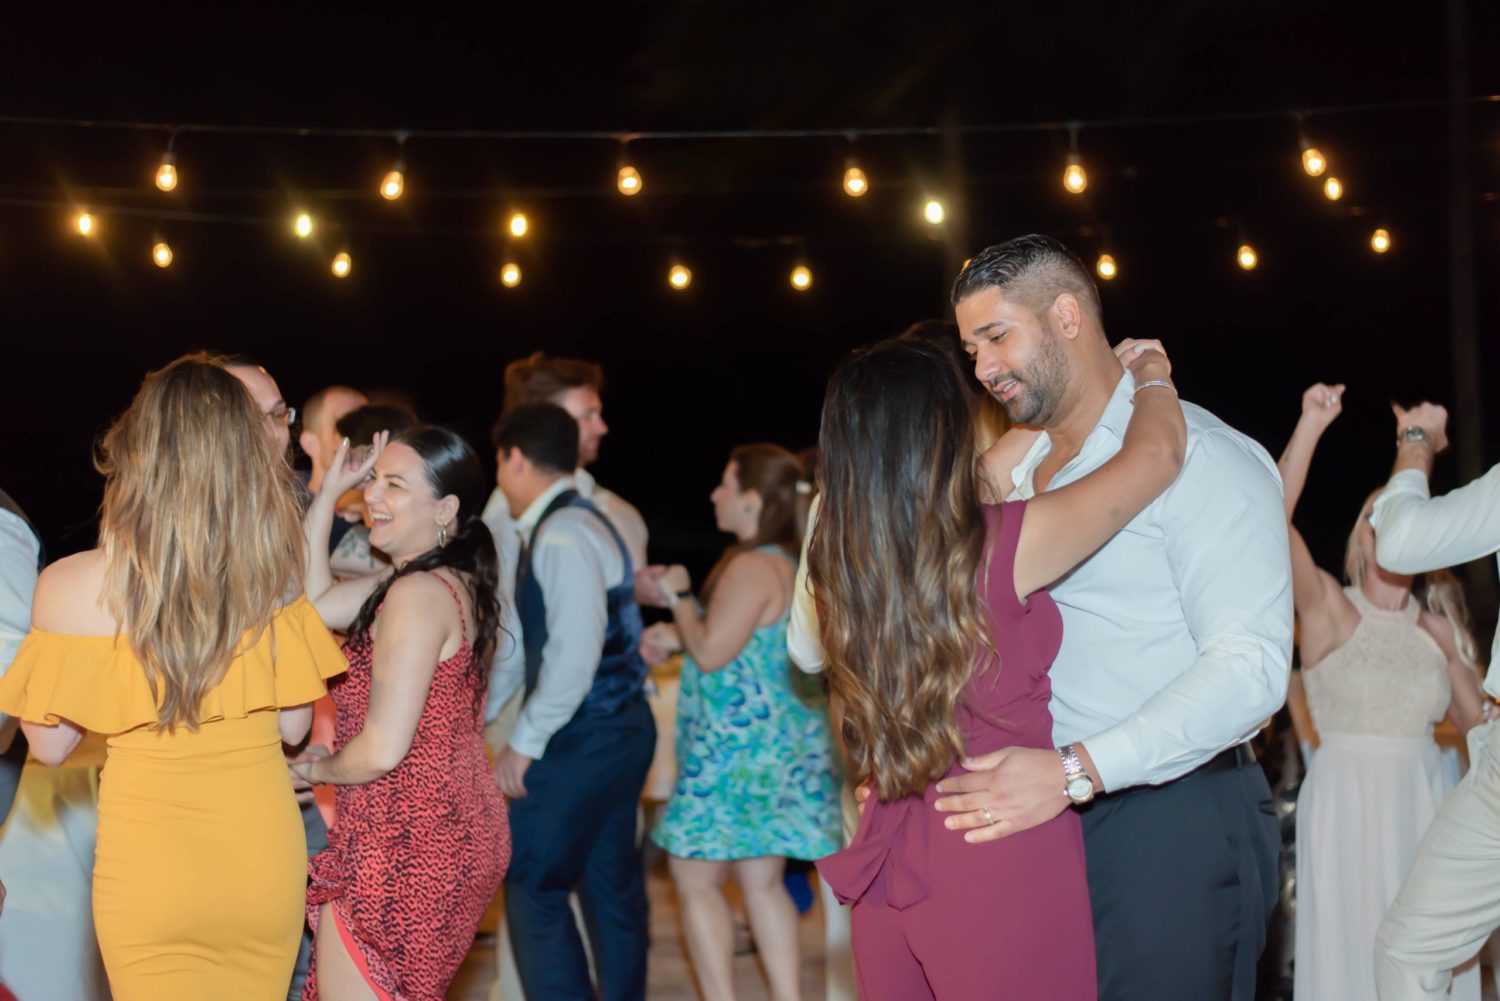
x: 1410, y: 434
x: 1079, y: 787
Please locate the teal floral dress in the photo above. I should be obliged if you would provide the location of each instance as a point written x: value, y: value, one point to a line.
x: 756, y: 769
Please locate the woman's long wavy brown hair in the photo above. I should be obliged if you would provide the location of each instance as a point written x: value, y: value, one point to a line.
x: 894, y: 560
x: 200, y: 529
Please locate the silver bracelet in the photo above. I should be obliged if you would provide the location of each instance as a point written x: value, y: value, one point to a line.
x: 1164, y: 384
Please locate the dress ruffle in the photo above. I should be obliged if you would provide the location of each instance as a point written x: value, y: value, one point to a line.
x: 97, y: 683
x: 893, y: 838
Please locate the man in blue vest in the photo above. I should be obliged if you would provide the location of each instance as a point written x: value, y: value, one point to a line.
x: 580, y: 751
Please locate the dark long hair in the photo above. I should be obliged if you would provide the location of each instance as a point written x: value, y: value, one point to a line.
x: 895, y: 557
x: 777, y: 476
x: 452, y: 468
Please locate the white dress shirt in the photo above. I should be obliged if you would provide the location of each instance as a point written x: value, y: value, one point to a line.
x: 576, y: 561
x: 1177, y: 633
x: 1416, y: 532
x: 18, y: 555
x: 804, y: 644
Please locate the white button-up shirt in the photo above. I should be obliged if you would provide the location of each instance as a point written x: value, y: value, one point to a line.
x: 18, y: 555
x: 1177, y: 633
x: 576, y: 561
x: 1416, y: 532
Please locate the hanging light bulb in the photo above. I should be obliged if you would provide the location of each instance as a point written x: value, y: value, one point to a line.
x: 84, y: 223
x: 1106, y: 267
x: 161, y: 253
x: 1075, y: 179
x: 518, y: 224
x: 510, y: 274
x: 629, y: 181
x: 1313, y: 160
x: 1380, y: 241
x: 393, y: 184
x: 855, y: 182
x: 1333, y: 189
x: 801, y: 278
x: 1246, y: 257
x: 342, y: 264
x: 679, y: 277
x: 166, y: 173
x: 934, y: 212
x: 302, y: 225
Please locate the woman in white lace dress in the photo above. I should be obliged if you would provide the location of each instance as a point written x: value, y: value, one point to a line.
x: 1383, y: 659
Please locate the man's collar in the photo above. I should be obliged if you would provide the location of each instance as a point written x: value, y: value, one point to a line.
x: 1114, y: 420
x: 584, y: 482
x: 533, y: 513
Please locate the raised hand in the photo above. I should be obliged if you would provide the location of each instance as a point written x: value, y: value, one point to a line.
x: 1430, y: 417
x: 1321, y: 404
x: 1146, y: 359
x: 351, y: 467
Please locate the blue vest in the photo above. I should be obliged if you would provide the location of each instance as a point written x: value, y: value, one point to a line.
x: 621, y: 676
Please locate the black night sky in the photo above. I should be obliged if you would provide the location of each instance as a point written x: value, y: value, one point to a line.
x: 740, y: 356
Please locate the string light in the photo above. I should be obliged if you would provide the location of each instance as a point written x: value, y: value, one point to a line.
x: 1313, y: 160
x: 161, y: 253
x: 1380, y: 241
x: 801, y: 278
x: 84, y: 223
x: 518, y: 224
x: 1333, y: 188
x: 934, y: 212
x: 342, y: 264
x: 393, y: 184
x: 679, y: 277
x: 628, y: 181
x: 1246, y: 257
x: 302, y: 225
x: 855, y: 182
x: 1075, y: 179
x: 1106, y: 267
x: 510, y: 274
x: 166, y: 173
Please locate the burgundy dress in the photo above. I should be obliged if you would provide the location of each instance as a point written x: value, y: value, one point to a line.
x: 415, y: 856
x: 937, y: 917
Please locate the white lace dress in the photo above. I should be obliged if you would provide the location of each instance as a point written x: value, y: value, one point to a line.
x: 1373, y: 786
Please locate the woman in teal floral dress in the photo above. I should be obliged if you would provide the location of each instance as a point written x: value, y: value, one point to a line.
x: 757, y: 781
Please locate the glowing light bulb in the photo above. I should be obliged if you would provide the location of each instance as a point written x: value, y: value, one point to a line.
x: 342, y: 264
x: 1106, y: 267
x: 1380, y: 241
x: 166, y: 174
x: 801, y: 278
x: 1246, y: 257
x: 518, y: 224
x: 855, y: 182
x: 934, y: 212
x: 161, y: 254
x: 679, y: 277
x: 510, y: 274
x: 302, y: 225
x: 1333, y: 189
x: 1313, y: 161
x: 392, y: 185
x: 84, y: 223
x: 1075, y: 179
x: 629, y: 181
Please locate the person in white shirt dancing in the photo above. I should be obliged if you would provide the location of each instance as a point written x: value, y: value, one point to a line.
x: 1450, y: 902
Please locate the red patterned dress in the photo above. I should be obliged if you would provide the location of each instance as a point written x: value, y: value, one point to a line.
x: 416, y: 855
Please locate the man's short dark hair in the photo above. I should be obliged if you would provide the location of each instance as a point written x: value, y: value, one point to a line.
x: 537, y: 379
x: 544, y: 432
x: 361, y: 424
x: 1033, y: 270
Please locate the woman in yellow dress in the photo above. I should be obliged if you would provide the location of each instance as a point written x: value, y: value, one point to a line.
x: 175, y: 640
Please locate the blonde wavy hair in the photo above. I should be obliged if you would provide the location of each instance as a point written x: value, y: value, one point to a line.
x: 895, y: 559
x: 200, y: 529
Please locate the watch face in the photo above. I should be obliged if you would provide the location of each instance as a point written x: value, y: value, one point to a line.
x: 1081, y: 789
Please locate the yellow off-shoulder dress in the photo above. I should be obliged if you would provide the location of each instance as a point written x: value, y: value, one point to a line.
x: 201, y: 865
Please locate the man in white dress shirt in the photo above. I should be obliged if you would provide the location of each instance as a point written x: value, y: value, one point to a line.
x: 578, y: 755
x: 1450, y: 902
x: 1176, y: 647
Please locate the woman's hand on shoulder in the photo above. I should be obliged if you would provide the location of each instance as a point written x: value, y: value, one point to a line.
x: 1145, y: 358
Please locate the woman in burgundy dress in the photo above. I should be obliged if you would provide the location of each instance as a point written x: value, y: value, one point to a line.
x: 939, y: 634
x: 422, y: 839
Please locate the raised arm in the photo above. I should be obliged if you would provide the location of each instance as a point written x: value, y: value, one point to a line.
x: 337, y: 603
x: 1312, y: 589
x: 746, y: 591
x: 1063, y: 527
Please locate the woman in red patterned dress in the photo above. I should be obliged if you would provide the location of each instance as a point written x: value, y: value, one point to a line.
x: 422, y: 839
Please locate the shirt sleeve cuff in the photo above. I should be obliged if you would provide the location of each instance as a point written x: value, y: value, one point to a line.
x: 1114, y: 759
x: 526, y: 740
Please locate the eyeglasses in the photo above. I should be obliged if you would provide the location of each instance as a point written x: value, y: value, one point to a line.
x: 282, y: 415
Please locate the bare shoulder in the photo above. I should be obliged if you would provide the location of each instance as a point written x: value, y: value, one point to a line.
x: 420, y: 592
x: 67, y: 598
x: 757, y: 570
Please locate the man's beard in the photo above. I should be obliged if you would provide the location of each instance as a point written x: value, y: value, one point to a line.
x: 1039, y: 386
